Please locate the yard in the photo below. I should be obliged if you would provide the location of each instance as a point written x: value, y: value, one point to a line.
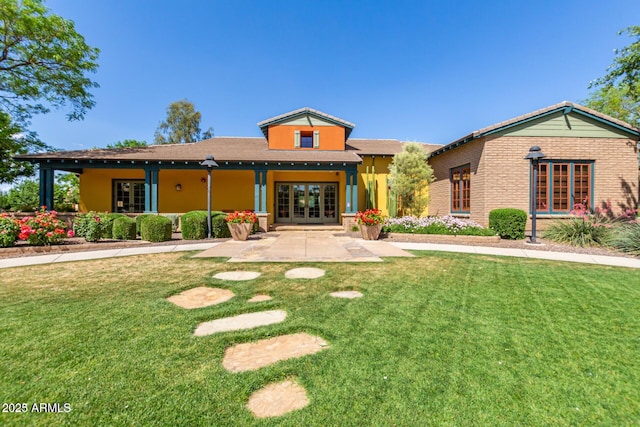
x: 441, y: 339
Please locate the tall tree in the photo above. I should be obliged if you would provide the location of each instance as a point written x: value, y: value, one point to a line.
x: 625, y: 70
x: 15, y: 140
x: 43, y: 62
x: 617, y: 102
x: 128, y: 143
x: 181, y: 125
x: 410, y: 177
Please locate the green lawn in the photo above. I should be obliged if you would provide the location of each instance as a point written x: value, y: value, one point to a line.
x: 441, y: 339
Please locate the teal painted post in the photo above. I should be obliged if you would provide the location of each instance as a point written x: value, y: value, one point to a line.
x: 42, y: 191
x: 263, y: 207
x: 154, y: 191
x: 256, y: 191
x: 347, y: 192
x: 46, y: 188
x: 147, y: 190
x: 354, y: 191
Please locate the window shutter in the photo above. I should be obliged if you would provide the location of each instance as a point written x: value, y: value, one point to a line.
x: 316, y: 139
x: 296, y: 139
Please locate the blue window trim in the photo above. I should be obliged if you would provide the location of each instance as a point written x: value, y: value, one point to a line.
x: 572, y: 202
x: 451, y: 171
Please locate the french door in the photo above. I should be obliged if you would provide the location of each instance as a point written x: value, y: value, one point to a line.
x: 307, y: 203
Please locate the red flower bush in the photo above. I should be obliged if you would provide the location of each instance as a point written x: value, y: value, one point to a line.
x: 238, y: 217
x: 42, y: 229
x: 370, y: 217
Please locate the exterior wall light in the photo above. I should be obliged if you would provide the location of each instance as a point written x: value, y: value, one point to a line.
x: 178, y: 187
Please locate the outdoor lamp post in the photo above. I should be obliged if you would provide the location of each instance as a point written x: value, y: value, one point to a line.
x: 534, y: 155
x: 209, y: 163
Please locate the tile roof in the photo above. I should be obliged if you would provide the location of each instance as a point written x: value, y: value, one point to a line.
x: 525, y: 117
x: 232, y: 149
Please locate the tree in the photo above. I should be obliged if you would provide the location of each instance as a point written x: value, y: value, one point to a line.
x: 25, y: 196
x: 15, y: 140
x: 615, y: 101
x: 128, y: 143
x: 43, y: 62
x: 625, y: 70
x: 410, y: 177
x: 181, y: 125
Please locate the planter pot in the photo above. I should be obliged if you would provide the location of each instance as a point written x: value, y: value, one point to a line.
x: 240, y: 231
x: 370, y: 232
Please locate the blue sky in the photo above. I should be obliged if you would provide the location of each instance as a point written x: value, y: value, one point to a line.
x: 428, y: 71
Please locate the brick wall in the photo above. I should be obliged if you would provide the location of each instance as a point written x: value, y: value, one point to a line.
x: 500, y: 174
x: 440, y: 190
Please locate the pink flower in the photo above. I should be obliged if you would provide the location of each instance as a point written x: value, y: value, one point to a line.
x: 49, y: 234
x: 70, y: 233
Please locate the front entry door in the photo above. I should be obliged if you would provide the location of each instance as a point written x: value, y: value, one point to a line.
x: 306, y: 203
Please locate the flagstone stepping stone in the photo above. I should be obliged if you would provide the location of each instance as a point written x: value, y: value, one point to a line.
x: 242, y: 321
x: 260, y: 298
x: 237, y: 275
x: 304, y: 273
x: 255, y: 355
x: 346, y: 294
x: 278, y: 399
x: 201, y: 297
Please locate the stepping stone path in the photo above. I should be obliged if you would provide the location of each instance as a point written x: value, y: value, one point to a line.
x: 304, y: 273
x: 278, y: 399
x: 346, y: 294
x: 260, y: 298
x: 242, y: 321
x: 237, y: 275
x: 252, y: 356
x: 201, y: 297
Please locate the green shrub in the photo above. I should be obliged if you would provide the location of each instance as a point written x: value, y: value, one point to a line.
x: 175, y: 221
x: 108, y: 224
x: 139, y: 219
x: 194, y: 225
x: 155, y: 228
x: 91, y: 225
x: 124, y: 228
x: 508, y: 223
x: 579, y: 231
x: 219, y: 227
x: 626, y: 238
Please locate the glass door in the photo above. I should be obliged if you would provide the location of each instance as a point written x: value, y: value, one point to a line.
x: 305, y: 203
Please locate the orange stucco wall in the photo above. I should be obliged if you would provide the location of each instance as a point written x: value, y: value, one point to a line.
x: 281, y: 137
x: 96, y: 187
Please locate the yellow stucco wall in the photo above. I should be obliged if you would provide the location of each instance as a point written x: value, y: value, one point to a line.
x: 380, y: 179
x: 96, y: 187
x: 231, y: 190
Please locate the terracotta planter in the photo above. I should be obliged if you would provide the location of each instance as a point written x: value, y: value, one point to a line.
x: 370, y: 232
x: 240, y: 231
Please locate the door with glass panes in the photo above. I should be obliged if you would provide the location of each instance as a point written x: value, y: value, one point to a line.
x: 307, y: 203
x: 128, y: 196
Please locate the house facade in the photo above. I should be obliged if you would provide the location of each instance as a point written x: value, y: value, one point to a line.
x: 306, y: 170
x: 590, y: 159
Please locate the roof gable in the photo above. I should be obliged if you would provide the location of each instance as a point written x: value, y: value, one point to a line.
x: 308, y: 117
x: 562, y: 119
